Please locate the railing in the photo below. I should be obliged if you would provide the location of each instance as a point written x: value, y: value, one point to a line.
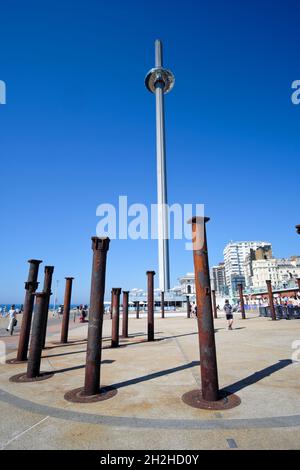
x: 288, y: 312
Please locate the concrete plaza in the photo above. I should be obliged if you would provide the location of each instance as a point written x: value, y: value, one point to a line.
x: 254, y: 361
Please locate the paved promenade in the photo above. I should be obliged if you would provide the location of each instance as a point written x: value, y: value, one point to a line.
x: 254, y: 360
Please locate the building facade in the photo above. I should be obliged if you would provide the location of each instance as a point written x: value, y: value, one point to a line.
x: 235, y: 254
x: 218, y: 279
x: 187, y: 284
x: 283, y: 272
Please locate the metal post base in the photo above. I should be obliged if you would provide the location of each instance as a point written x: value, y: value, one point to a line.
x: 226, y: 401
x: 77, y: 395
x: 23, y: 377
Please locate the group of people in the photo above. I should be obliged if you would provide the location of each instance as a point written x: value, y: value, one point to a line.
x: 292, y: 301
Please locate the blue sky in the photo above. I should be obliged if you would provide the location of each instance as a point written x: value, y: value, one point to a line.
x: 78, y: 129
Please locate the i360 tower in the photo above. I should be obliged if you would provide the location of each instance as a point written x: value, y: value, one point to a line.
x: 160, y: 81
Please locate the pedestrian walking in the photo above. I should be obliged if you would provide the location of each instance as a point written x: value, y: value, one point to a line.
x: 229, y: 315
x: 12, y: 314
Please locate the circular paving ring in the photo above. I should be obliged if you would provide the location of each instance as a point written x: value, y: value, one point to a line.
x: 77, y: 395
x: 226, y: 401
x: 19, y: 378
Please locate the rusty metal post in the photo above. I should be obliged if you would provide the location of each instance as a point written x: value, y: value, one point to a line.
x: 162, y: 304
x: 47, y: 288
x: 138, y: 309
x: 240, y: 288
x: 66, y: 312
x: 100, y: 248
x: 271, y: 301
x: 30, y: 286
x: 208, y: 358
x: 210, y: 397
x: 111, y: 304
x: 36, y: 341
x: 188, y: 307
x: 214, y: 304
x: 115, y: 317
x: 125, y: 314
x: 150, y: 304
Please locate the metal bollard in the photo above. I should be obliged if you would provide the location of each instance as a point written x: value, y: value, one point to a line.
x: 240, y: 288
x: 162, y: 304
x: 214, y: 304
x: 115, y: 317
x: 271, y: 301
x: 111, y: 304
x: 125, y: 314
x: 91, y: 391
x: 36, y: 344
x: 30, y: 286
x: 137, y: 309
x: 48, y: 273
x: 66, y: 312
x: 188, y: 307
x: 150, y: 304
x: 210, y: 397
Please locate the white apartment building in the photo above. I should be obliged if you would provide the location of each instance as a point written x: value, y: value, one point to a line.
x: 235, y: 254
x: 281, y: 271
x: 218, y: 280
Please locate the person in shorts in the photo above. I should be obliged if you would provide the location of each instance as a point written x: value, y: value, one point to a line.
x: 228, y: 313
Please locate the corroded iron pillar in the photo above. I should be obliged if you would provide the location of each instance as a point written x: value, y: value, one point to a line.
x: 36, y: 341
x: 210, y: 397
x: 271, y: 301
x: 214, y: 304
x: 138, y: 309
x: 111, y: 304
x: 115, y: 317
x: 240, y: 288
x: 66, y: 312
x: 91, y: 391
x: 162, y: 304
x: 188, y: 307
x: 33, y: 372
x: 208, y: 358
x: 150, y: 304
x: 125, y: 314
x: 48, y: 273
x: 30, y: 286
x: 100, y: 248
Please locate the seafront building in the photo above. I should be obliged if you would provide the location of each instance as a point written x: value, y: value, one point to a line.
x: 218, y: 279
x: 283, y: 272
x: 235, y: 254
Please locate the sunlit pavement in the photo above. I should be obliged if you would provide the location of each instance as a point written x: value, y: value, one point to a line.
x: 258, y: 361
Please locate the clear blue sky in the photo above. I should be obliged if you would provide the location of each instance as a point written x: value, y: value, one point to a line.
x: 78, y: 129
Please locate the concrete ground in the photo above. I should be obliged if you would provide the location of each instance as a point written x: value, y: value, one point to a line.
x: 255, y: 361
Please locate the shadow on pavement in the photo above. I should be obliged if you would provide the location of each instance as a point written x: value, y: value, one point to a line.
x: 259, y: 375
